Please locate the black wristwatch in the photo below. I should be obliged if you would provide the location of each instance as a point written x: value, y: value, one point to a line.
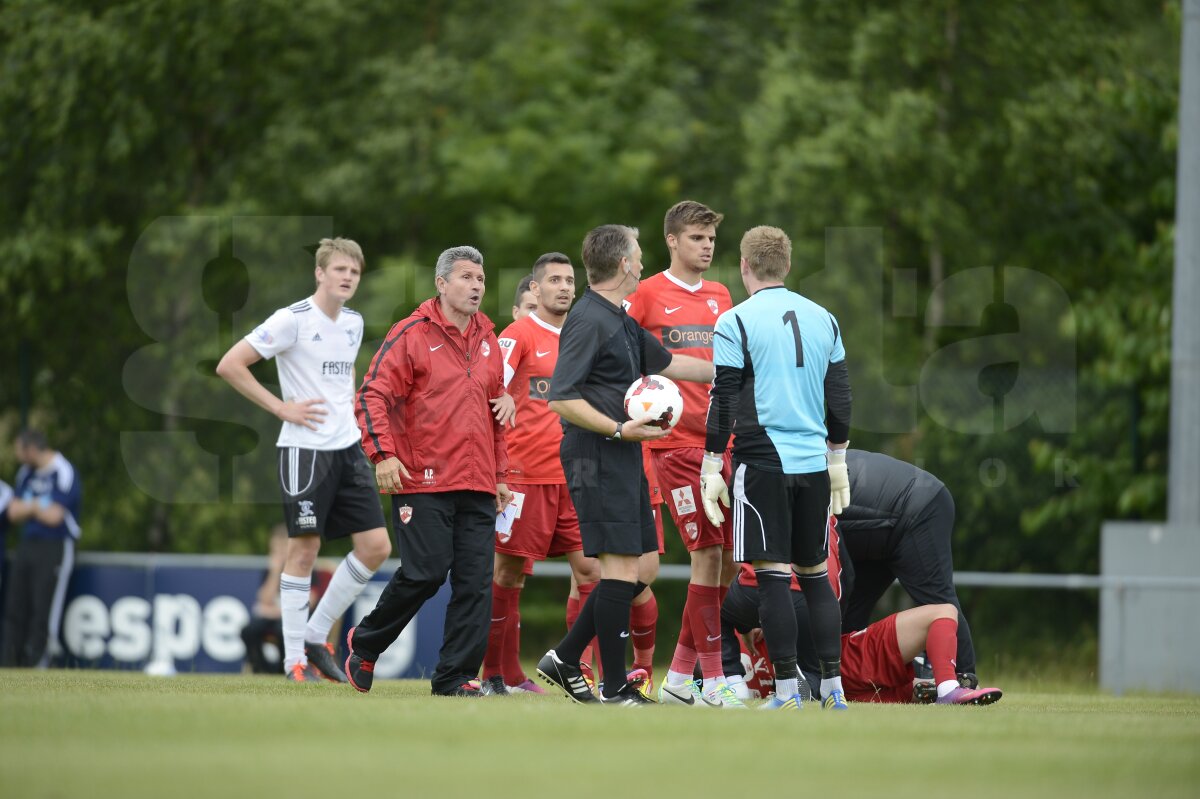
x: 616, y: 436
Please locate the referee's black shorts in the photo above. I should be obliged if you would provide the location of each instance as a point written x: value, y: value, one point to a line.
x: 330, y: 492
x: 611, y: 496
x: 782, y: 518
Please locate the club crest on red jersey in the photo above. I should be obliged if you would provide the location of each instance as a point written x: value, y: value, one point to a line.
x: 485, y: 349
x: 712, y: 306
x: 406, y: 513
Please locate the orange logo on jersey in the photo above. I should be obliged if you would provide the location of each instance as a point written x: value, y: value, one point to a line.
x: 684, y: 336
x: 539, y: 388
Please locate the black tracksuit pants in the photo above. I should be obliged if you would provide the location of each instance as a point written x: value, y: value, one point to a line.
x: 448, y: 533
x: 37, y: 587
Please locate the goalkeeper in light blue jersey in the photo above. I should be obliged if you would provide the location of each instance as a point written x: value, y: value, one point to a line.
x: 782, y: 387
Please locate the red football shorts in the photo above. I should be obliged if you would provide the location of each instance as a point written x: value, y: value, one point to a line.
x: 872, y: 669
x: 545, y: 525
x: 679, y: 475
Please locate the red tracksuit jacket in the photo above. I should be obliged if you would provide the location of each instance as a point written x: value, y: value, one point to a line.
x: 425, y: 399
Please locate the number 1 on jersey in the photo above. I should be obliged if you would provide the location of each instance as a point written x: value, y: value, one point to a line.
x: 789, y: 318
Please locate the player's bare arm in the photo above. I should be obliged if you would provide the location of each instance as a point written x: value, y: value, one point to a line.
x: 390, y: 475
x: 581, y: 413
x: 685, y: 367
x: 234, y: 368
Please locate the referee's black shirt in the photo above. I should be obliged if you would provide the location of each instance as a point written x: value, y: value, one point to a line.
x: 601, y: 351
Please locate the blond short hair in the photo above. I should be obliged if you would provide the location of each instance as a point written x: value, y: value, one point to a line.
x: 329, y: 247
x: 768, y: 252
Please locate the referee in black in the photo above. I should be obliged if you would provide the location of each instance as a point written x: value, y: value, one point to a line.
x: 600, y: 353
x: 898, y: 525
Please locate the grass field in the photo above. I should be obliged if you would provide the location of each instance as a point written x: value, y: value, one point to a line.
x: 101, y: 734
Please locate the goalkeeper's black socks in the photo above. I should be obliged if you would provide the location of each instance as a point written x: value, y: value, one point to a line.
x: 777, y: 614
x: 825, y: 620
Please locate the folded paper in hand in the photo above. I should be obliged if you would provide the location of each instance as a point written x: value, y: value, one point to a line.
x: 504, y: 521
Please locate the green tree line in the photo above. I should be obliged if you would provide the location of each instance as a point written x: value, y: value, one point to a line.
x: 981, y: 192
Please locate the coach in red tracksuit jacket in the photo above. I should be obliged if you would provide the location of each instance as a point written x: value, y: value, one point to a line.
x: 427, y: 421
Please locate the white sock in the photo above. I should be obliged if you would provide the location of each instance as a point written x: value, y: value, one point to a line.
x: 830, y: 684
x: 675, y: 678
x: 711, y: 682
x: 347, y: 583
x: 293, y: 614
x: 786, y: 689
x: 738, y: 683
x: 946, y: 686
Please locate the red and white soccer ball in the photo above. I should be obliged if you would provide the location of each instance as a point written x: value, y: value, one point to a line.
x: 657, y: 396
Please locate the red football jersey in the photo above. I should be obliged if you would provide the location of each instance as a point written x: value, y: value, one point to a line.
x: 530, y: 350
x: 683, y: 318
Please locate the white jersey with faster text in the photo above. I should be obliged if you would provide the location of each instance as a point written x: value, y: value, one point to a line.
x: 315, y: 356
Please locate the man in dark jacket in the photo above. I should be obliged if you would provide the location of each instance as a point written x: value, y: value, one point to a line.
x: 898, y: 526
x: 431, y: 409
x: 46, y: 501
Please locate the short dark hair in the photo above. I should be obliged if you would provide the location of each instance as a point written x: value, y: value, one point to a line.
x: 539, y: 266
x: 33, y: 438
x: 522, y: 287
x: 603, y: 249
x: 689, y: 212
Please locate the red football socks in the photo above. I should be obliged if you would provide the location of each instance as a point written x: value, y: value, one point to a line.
x: 704, y: 612
x: 941, y: 646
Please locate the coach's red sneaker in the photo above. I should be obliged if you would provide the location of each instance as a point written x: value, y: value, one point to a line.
x: 471, y: 688
x: 359, y: 672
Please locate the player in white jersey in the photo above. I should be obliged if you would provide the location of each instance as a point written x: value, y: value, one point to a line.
x: 328, y: 485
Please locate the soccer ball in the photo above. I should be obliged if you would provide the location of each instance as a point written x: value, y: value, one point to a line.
x: 657, y: 396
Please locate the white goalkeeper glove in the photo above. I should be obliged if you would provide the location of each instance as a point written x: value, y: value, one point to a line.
x: 839, y: 480
x: 713, y: 488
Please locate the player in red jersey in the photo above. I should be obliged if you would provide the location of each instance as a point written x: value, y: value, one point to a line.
x: 524, y: 303
x: 876, y: 661
x: 680, y: 307
x: 543, y: 523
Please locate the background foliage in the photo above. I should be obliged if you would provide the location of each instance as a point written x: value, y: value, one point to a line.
x: 164, y: 166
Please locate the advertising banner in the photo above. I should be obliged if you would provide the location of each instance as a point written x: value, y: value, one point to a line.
x: 186, y: 613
